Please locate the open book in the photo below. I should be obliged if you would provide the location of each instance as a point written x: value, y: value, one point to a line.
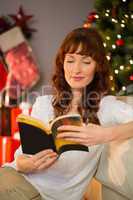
x: 36, y: 136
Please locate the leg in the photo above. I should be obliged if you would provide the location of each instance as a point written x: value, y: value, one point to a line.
x: 108, y: 194
x: 14, y: 186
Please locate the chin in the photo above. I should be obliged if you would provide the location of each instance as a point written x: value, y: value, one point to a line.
x: 78, y: 86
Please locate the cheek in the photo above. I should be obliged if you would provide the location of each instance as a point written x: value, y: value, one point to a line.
x: 67, y: 72
x: 90, y: 72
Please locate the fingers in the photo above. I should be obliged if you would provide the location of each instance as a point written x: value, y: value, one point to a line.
x: 47, y: 163
x: 44, y: 159
x: 71, y: 128
x: 72, y: 135
x: 43, y: 153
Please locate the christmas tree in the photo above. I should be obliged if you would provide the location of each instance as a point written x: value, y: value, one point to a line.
x: 114, y: 20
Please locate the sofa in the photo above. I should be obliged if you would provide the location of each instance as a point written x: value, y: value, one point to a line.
x: 115, y: 171
x: 114, y: 176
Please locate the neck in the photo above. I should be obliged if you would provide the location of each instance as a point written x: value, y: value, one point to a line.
x: 77, y: 95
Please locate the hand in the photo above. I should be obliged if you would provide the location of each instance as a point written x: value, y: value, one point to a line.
x: 87, y: 135
x: 38, y: 162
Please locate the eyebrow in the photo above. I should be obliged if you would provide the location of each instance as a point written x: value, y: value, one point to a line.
x: 86, y: 56
x: 83, y: 56
x: 69, y: 55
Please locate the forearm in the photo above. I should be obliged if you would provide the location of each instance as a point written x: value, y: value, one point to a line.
x: 121, y: 131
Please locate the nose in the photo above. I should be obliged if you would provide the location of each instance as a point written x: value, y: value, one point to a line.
x: 77, y: 67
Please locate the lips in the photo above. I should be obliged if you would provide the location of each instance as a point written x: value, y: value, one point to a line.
x: 78, y: 78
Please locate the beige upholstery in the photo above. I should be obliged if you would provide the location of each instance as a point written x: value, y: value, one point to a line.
x: 115, y: 171
x: 109, y: 194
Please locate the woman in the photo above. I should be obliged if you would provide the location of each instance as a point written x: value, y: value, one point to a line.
x: 81, y: 84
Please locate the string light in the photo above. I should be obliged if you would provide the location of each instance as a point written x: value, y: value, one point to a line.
x: 108, y: 57
x: 116, y: 71
x: 119, y: 36
x: 114, y: 20
x: 122, y: 67
x: 123, y: 21
x: 107, y: 10
x: 131, y: 16
x: 87, y: 25
x: 111, y: 78
x: 124, y: 88
x: 112, y: 88
x: 104, y: 44
x: 122, y: 25
x: 131, y: 62
x: 97, y: 16
x: 107, y: 37
x: 106, y: 14
x: 124, y: 0
x: 126, y: 16
x: 113, y: 46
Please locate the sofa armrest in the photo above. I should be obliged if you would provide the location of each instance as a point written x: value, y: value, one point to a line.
x: 115, y: 167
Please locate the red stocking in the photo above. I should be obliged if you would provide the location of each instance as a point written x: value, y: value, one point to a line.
x: 3, y: 75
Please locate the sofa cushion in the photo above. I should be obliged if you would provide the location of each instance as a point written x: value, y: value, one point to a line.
x: 115, y: 169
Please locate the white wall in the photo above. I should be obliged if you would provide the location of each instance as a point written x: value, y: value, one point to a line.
x: 52, y: 19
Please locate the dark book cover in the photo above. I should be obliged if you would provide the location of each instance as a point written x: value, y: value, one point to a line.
x: 36, y: 136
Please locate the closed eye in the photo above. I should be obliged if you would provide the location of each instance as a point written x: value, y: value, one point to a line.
x: 69, y: 61
x: 87, y: 62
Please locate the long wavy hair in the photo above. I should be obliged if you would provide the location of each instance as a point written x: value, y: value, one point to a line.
x: 91, y: 45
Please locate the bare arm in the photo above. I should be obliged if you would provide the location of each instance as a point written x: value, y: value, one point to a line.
x: 94, y: 134
x: 122, y: 131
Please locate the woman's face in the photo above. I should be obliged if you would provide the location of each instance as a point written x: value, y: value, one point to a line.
x: 79, y: 70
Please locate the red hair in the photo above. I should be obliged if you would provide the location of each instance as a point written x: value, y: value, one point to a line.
x: 92, y: 45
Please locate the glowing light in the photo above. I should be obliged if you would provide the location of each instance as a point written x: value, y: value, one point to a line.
x: 106, y: 14
x: 112, y: 88
x: 123, y: 88
x: 111, y: 78
x: 87, y: 25
x: 113, y: 46
x: 114, y: 20
x: 108, y: 57
x: 126, y: 16
x: 119, y: 36
x: 116, y: 71
x: 104, y: 44
x: 107, y: 37
x: 131, y: 16
x: 131, y: 62
x: 121, y: 67
x: 122, y: 25
x: 96, y: 16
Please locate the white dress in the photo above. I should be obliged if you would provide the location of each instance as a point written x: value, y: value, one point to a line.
x: 68, y: 178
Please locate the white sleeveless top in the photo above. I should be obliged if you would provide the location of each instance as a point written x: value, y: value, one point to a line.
x: 69, y: 176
